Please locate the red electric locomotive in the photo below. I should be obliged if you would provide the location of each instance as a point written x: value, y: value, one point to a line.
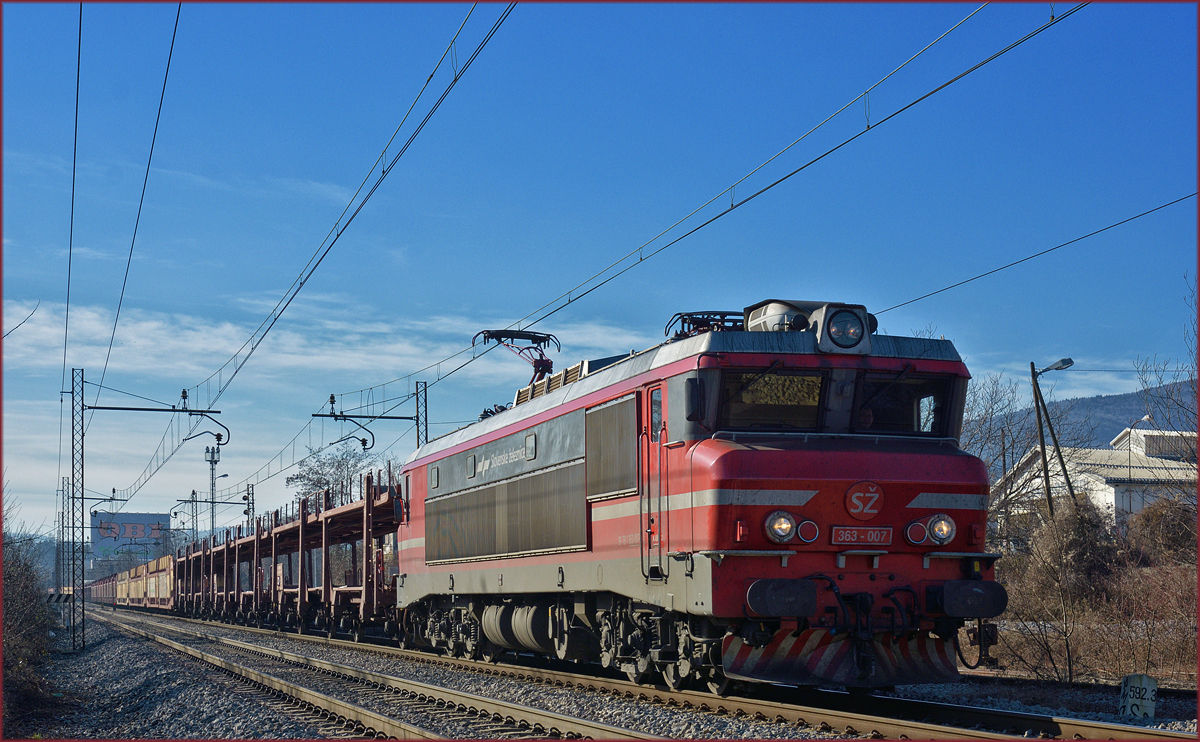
x: 770, y: 495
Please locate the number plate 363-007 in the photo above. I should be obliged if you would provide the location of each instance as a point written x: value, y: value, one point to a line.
x: 860, y: 536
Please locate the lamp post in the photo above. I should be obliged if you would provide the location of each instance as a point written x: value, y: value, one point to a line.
x: 1039, y: 404
x: 1129, y: 455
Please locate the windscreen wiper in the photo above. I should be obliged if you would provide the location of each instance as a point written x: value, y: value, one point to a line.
x: 887, y: 386
x: 747, y: 384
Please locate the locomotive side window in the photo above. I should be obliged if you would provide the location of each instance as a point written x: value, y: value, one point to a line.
x: 770, y: 399
x: 897, y: 403
x: 655, y: 413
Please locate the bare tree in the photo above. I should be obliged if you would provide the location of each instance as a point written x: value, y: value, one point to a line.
x: 1000, y: 429
x: 321, y: 471
x: 1166, y: 529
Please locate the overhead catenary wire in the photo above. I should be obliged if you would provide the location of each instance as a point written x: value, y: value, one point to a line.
x: 216, y: 383
x: 70, y: 248
x: 27, y: 317
x: 692, y: 213
x: 1038, y: 254
x: 138, y: 219
x: 571, y: 296
x: 130, y: 394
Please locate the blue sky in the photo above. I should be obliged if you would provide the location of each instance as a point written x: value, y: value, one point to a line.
x: 578, y: 134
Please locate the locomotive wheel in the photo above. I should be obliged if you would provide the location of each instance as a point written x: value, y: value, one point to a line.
x: 718, y: 683
x: 491, y: 653
x: 638, y: 670
x: 473, y: 648
x: 672, y: 677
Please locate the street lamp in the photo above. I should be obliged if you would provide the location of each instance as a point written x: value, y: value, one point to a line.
x: 1129, y: 455
x: 1058, y: 365
x: 1039, y: 404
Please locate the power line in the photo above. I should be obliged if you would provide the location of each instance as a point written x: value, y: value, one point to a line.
x: 1039, y: 254
x: 226, y: 373
x: 138, y: 219
x: 729, y: 189
x: 643, y: 257
x: 70, y: 241
x: 35, y: 308
x: 571, y: 297
x: 131, y: 394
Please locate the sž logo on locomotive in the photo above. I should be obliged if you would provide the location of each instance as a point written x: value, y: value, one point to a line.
x: 864, y: 500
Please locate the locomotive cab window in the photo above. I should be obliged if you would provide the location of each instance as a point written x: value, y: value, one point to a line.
x: 895, y: 403
x: 770, y: 399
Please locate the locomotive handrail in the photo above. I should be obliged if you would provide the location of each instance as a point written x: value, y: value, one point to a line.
x: 733, y: 435
x: 718, y: 555
x: 873, y: 553
x: 959, y: 555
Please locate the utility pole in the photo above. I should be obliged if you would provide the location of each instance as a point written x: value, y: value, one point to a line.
x: 195, y: 516
x: 1039, y: 404
x: 76, y: 550
x: 422, y: 413
x: 212, y: 454
x: 249, y: 511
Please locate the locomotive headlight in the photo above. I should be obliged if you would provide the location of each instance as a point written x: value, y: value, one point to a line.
x: 941, y: 529
x: 780, y: 526
x: 845, y: 329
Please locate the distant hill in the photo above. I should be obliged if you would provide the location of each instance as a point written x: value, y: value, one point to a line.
x: 1111, y: 413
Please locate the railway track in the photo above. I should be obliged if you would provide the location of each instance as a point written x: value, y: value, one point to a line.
x: 378, y: 700
x: 829, y: 711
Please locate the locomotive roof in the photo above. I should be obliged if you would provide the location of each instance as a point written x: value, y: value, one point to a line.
x: 670, y: 351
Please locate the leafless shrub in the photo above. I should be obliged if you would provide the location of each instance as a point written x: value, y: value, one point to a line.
x: 1052, y: 591
x: 1147, y: 624
x: 1164, y: 532
x: 27, y: 617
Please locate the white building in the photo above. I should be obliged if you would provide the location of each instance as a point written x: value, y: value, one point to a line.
x: 1139, y: 467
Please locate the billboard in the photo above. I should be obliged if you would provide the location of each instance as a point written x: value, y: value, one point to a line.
x: 114, y: 534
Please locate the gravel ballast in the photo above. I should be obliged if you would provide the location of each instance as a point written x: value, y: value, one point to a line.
x: 120, y: 687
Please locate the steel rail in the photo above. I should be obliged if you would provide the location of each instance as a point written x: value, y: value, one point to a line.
x: 836, y: 711
x: 554, y: 724
x: 371, y: 722
x: 1019, y: 722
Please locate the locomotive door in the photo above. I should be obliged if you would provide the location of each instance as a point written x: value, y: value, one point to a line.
x: 651, y: 484
x: 403, y: 507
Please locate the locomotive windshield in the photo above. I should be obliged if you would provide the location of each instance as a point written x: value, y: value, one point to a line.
x: 897, y: 403
x: 766, y: 398
x: 888, y: 403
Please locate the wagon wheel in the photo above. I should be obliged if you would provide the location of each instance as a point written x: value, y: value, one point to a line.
x: 357, y: 632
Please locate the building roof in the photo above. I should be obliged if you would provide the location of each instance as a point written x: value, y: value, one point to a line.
x: 1124, y: 466
x: 1119, y: 465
